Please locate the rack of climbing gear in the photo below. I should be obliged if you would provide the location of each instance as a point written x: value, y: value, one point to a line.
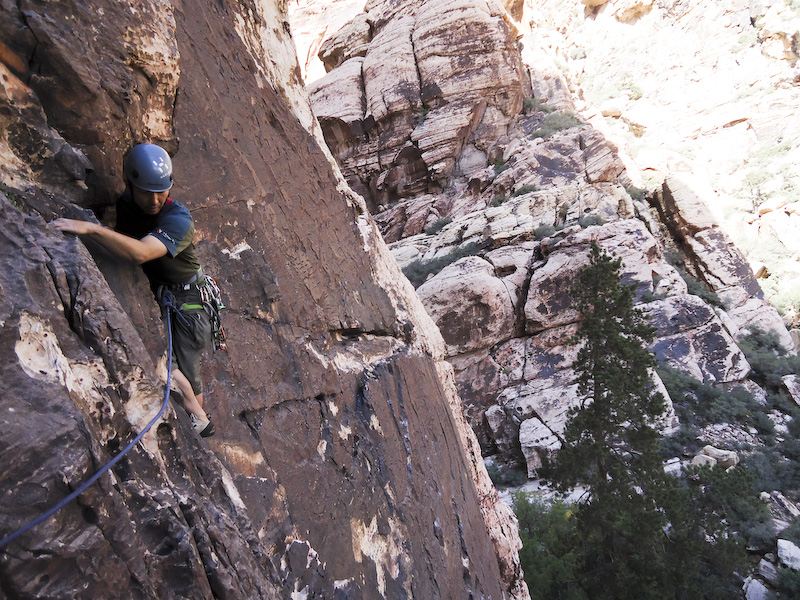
x: 211, y: 297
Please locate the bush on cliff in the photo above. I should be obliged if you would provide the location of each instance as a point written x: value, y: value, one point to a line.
x: 419, y: 270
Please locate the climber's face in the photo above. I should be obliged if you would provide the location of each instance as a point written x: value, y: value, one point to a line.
x: 149, y: 202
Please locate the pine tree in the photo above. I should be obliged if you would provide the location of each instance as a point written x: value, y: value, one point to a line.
x: 610, y: 445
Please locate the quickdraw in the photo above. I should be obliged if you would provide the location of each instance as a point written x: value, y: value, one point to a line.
x: 211, y: 297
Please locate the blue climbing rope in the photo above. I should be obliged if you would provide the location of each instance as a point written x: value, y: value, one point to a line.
x: 168, y: 303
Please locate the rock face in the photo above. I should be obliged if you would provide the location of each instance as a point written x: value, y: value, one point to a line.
x: 342, y: 467
x: 491, y: 204
x: 427, y: 96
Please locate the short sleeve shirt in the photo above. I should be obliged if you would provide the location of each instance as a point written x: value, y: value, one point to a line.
x: 174, y: 227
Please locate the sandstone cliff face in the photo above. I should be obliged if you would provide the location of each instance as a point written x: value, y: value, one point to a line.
x: 342, y: 467
x: 493, y: 211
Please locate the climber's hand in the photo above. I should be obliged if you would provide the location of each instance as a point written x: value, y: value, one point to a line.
x: 73, y: 226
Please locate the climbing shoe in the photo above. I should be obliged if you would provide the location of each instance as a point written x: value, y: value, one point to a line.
x: 204, y: 428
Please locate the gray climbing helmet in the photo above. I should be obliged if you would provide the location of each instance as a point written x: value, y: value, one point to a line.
x: 149, y: 167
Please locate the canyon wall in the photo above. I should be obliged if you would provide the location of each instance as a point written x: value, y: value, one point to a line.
x: 342, y: 466
x: 461, y: 128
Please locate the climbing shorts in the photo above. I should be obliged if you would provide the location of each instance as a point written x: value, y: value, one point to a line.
x: 190, y: 336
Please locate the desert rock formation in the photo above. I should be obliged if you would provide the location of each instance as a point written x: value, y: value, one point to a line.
x: 491, y: 211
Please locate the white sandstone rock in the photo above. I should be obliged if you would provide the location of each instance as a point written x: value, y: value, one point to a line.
x: 789, y: 554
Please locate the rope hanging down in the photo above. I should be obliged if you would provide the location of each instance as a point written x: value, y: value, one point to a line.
x: 169, y: 304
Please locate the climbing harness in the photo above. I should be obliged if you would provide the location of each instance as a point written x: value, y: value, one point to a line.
x: 210, y: 301
x: 168, y: 302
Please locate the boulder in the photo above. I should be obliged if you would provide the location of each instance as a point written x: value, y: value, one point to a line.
x: 789, y: 554
x: 723, y: 458
x: 627, y: 11
x: 692, y: 339
x: 391, y: 81
x: 315, y: 24
x: 684, y: 206
x: 714, y: 255
x: 548, y: 303
x: 538, y: 443
x: 340, y: 94
x: 348, y: 42
x: 470, y: 304
x: 792, y: 385
x: 755, y: 590
x: 601, y: 158
x: 768, y: 571
x: 702, y: 460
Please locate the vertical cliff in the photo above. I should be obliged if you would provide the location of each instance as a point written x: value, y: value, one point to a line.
x: 342, y: 467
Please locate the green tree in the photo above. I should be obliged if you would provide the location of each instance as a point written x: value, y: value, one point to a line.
x: 610, y: 445
x: 549, y: 541
x: 641, y: 533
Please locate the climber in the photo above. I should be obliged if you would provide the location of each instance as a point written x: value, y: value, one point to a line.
x: 157, y: 232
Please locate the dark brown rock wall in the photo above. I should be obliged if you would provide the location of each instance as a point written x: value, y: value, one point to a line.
x: 337, y: 457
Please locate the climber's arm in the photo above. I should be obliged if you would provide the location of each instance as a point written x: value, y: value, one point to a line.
x: 126, y: 247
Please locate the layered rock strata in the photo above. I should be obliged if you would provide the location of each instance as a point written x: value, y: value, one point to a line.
x: 341, y: 467
x: 495, y: 242
x: 418, y: 96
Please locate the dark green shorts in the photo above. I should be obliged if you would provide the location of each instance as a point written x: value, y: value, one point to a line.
x: 190, y: 338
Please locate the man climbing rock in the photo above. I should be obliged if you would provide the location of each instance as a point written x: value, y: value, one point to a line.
x: 157, y: 232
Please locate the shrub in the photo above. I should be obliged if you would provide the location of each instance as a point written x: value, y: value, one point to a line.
x: 699, y: 404
x: 532, y: 103
x: 549, y: 542
x: 499, y: 165
x: 498, y: 200
x: 505, y: 476
x: 556, y: 121
x: 589, y: 220
x: 438, y: 225
x: 788, y: 583
x: 526, y: 189
x: 767, y: 358
x: 792, y: 533
x: 419, y: 270
x: 635, y: 192
x: 544, y: 231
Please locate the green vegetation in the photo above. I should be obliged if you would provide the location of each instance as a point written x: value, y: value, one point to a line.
x: 532, y: 104
x: 609, y: 443
x: 768, y: 360
x: 588, y: 220
x: 629, y: 84
x: 419, y: 270
x: 499, y: 165
x: 526, y: 189
x: 498, y: 200
x: 438, y: 225
x: 550, y: 542
x: 504, y: 476
x: 747, y: 39
x: 544, y: 231
x: 556, y: 121
x: 699, y: 404
x: 636, y: 193
x: 636, y: 533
